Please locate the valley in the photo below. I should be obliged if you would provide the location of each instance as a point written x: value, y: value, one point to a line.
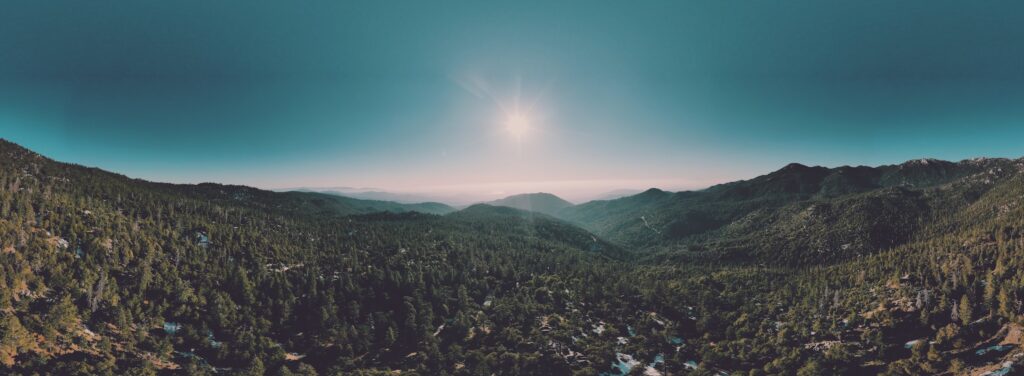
x: 904, y: 270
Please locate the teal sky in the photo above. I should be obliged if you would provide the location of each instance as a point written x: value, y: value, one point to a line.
x: 416, y: 95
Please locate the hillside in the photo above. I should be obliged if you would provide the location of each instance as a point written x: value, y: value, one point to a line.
x: 537, y: 202
x: 103, y: 274
x: 370, y: 194
x: 344, y: 205
x: 534, y: 225
x: 831, y: 213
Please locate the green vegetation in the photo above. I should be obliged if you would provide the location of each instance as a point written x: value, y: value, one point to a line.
x: 806, y: 271
x: 537, y: 202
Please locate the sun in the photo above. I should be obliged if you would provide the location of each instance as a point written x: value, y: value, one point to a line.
x: 517, y: 125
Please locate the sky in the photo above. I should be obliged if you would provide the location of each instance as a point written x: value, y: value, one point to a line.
x: 481, y: 99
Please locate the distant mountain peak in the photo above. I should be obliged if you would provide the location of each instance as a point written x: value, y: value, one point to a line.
x: 981, y: 161
x: 538, y: 194
x: 540, y: 202
x: 651, y: 192
x: 798, y: 168
x: 923, y: 162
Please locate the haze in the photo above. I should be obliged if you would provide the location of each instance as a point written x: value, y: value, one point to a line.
x: 478, y: 100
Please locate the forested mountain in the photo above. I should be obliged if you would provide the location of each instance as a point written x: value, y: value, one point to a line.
x: 109, y: 275
x: 904, y: 270
x: 378, y: 195
x: 802, y: 214
x: 538, y: 202
x: 347, y: 206
x: 342, y: 205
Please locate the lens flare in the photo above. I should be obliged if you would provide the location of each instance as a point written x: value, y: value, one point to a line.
x: 517, y: 125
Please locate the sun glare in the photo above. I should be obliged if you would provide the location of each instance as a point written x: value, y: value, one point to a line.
x: 517, y: 125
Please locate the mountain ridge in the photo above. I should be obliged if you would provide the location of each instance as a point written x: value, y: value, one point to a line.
x: 540, y: 202
x: 324, y: 204
x: 105, y: 274
x: 712, y: 217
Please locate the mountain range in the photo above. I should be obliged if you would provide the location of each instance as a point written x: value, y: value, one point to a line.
x: 538, y: 202
x: 912, y: 268
x: 373, y: 194
x: 835, y: 212
x: 799, y: 210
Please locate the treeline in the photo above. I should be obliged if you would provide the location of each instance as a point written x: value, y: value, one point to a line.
x: 102, y: 274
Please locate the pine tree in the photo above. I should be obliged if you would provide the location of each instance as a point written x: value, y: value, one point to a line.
x: 62, y: 318
x: 966, y: 311
x: 14, y: 339
x: 255, y: 368
x: 1005, y: 304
